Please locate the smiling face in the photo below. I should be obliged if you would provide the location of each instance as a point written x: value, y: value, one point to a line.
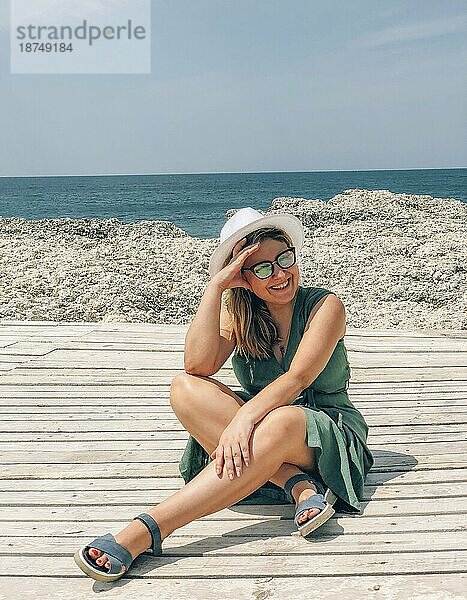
x: 265, y: 288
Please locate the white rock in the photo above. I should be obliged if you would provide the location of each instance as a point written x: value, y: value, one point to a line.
x: 395, y: 260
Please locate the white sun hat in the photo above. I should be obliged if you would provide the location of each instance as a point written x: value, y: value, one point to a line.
x: 246, y: 220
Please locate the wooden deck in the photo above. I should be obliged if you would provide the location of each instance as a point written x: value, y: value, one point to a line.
x: 88, y: 440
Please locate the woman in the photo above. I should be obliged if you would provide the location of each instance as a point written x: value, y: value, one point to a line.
x: 292, y: 432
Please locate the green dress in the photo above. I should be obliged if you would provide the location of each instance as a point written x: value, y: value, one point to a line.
x: 335, y: 428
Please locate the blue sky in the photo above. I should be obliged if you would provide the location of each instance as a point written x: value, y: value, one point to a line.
x: 258, y: 85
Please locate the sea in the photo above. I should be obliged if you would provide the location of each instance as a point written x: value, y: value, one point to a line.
x: 197, y: 203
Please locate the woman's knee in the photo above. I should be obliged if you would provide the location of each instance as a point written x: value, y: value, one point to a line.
x: 199, y: 393
x: 283, y: 422
x: 202, y: 404
x: 284, y: 428
x: 183, y: 389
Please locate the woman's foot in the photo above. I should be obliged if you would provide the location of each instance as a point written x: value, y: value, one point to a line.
x: 135, y: 538
x: 302, y: 491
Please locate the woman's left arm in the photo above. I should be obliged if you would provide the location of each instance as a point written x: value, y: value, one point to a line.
x: 318, y: 342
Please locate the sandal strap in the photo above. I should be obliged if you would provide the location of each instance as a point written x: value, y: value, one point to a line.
x: 301, y: 477
x: 315, y: 501
x: 156, y: 543
x: 115, y: 565
x: 108, y: 544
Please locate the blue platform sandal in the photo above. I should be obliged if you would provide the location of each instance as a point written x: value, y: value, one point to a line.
x: 323, y: 500
x: 118, y: 555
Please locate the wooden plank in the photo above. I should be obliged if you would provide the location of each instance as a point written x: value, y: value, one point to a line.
x: 433, y: 434
x: 161, y: 398
x: 42, y: 410
x: 182, y: 328
x: 156, y: 495
x: 14, y: 361
x: 9, y: 325
x: 8, y: 367
x: 407, y: 430
x: 273, y: 520
x: 407, y: 387
x: 385, y: 587
x: 143, y: 359
x: 8, y: 340
x: 415, y: 388
x: 163, y: 450
x: 139, y: 394
x: 84, y: 436
x: 121, y: 406
x: 166, y: 421
x: 253, y: 566
x: 434, y: 346
x: 28, y: 348
x: 101, y: 376
x: 164, y: 412
x: 251, y: 545
x: 165, y: 341
x: 82, y: 392
x: 167, y: 427
x: 391, y: 463
x: 413, y: 480
x: 155, y: 343
x: 417, y: 333
x: 22, y: 461
x: 109, y: 449
x: 53, y: 329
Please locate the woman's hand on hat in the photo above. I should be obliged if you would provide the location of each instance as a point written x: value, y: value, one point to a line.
x: 231, y: 276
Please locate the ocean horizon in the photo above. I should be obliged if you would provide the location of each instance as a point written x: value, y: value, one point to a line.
x: 197, y: 202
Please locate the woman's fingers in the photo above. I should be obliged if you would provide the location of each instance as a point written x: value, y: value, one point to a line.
x: 229, y: 464
x: 238, y: 246
x: 233, y: 276
x: 237, y: 460
x: 246, y: 252
x: 231, y: 459
x: 239, y: 252
x: 218, y: 455
x: 246, y: 453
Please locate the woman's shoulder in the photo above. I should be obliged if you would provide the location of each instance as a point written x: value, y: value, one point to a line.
x: 314, y: 297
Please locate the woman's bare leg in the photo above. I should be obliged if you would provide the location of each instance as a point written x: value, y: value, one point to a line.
x: 207, y: 493
x: 204, y: 406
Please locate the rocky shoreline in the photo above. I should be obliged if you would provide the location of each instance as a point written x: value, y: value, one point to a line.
x: 396, y: 261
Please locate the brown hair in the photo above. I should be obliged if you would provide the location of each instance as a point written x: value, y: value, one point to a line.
x: 253, y: 326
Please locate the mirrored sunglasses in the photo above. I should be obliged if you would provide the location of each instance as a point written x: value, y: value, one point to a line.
x: 265, y: 269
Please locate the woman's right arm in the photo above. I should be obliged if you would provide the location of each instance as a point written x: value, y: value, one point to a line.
x: 206, y: 349
x: 208, y: 342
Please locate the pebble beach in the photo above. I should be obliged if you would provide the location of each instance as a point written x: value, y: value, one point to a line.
x: 395, y: 260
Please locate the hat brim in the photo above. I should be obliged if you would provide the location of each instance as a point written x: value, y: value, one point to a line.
x: 289, y: 223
